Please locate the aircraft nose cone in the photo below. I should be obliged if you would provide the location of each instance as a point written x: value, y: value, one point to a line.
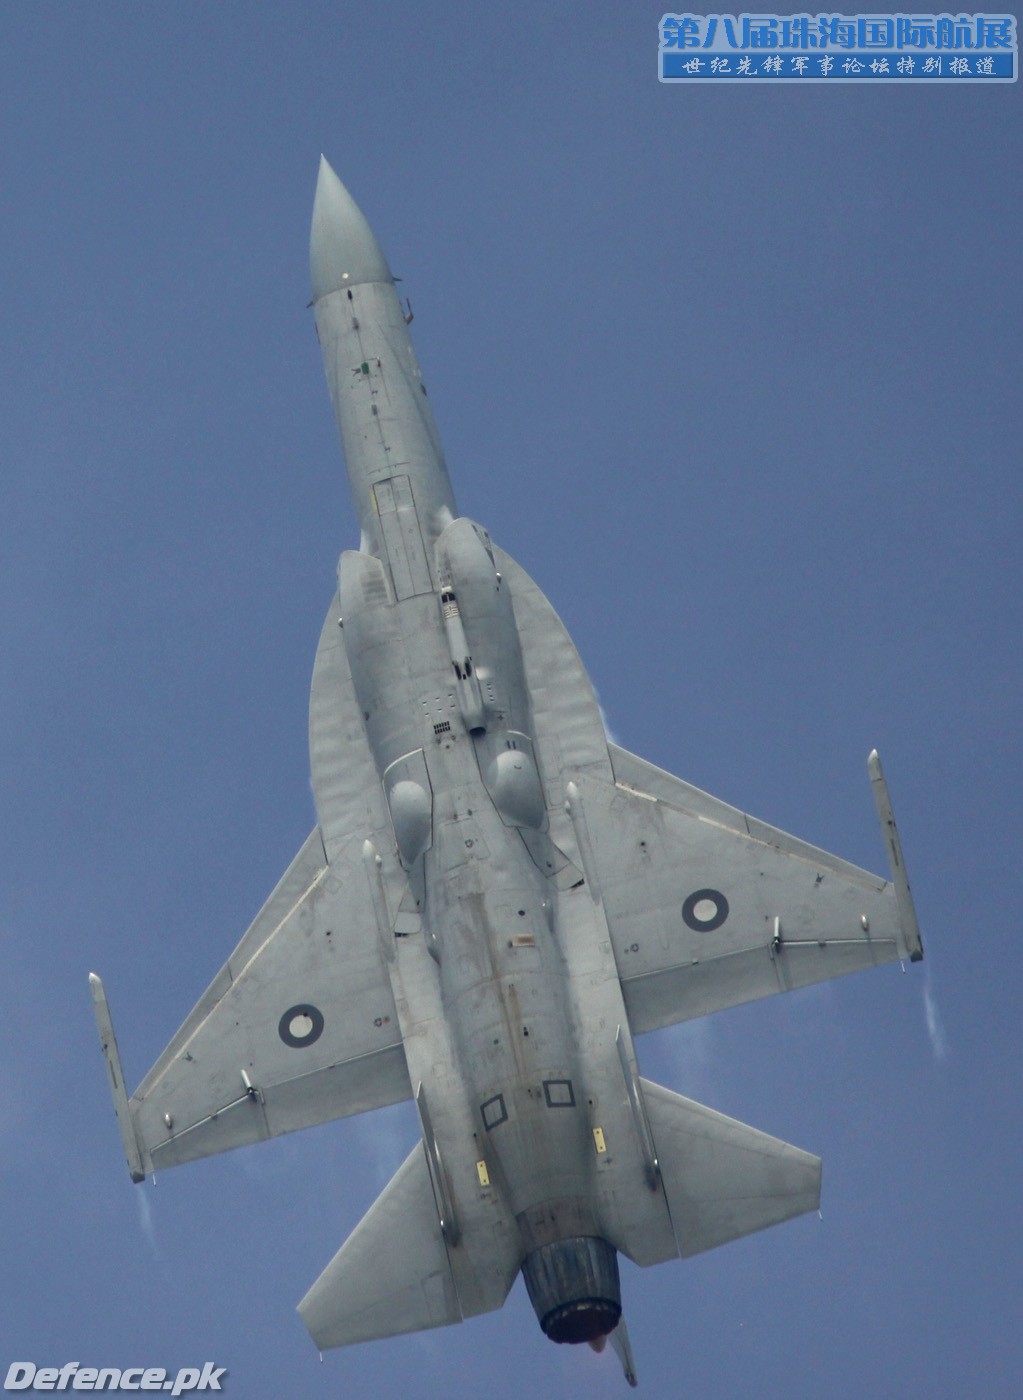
x: 343, y: 250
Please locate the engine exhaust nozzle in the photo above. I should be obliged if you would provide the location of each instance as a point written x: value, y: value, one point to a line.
x: 574, y: 1288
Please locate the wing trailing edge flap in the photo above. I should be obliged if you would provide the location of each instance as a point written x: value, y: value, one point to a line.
x: 396, y: 1273
x: 723, y: 1179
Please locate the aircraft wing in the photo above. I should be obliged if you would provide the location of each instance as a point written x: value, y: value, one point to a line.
x: 709, y: 907
x: 298, y: 1027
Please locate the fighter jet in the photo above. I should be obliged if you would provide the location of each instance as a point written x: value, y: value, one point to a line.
x: 495, y: 901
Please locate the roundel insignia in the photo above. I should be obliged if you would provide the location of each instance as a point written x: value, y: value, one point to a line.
x: 300, y: 1026
x: 705, y: 910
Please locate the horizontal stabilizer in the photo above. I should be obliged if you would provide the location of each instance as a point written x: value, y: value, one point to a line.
x: 721, y: 1178
x: 392, y: 1273
x: 395, y: 1273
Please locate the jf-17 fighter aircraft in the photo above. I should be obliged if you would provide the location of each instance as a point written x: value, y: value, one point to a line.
x: 495, y: 901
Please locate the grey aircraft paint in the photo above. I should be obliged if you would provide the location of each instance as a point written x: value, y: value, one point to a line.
x: 495, y: 899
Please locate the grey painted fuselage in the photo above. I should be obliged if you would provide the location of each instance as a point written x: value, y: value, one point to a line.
x: 436, y: 661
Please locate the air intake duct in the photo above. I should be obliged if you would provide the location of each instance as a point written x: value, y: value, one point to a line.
x: 573, y: 1286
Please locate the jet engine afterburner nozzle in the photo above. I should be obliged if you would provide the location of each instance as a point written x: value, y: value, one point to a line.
x: 574, y: 1288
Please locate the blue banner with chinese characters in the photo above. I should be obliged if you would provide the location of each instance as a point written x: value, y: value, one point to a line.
x: 837, y: 48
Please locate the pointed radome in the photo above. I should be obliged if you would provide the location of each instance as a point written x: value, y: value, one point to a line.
x: 343, y: 250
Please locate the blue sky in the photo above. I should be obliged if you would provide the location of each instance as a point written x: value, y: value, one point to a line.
x: 735, y: 375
